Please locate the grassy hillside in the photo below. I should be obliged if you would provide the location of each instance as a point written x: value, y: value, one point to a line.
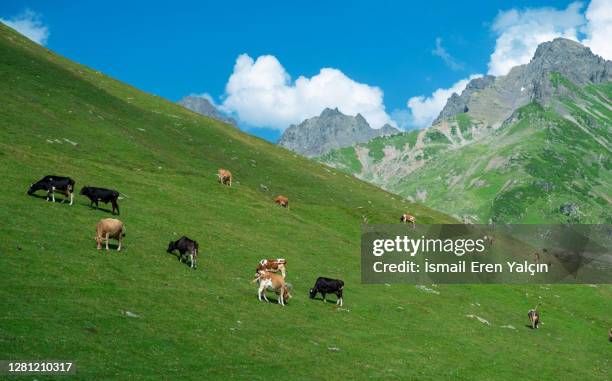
x: 537, y: 167
x: 63, y: 299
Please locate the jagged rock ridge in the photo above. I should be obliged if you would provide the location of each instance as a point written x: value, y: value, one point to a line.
x: 330, y: 130
x: 203, y: 106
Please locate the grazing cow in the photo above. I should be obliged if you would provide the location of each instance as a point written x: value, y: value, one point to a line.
x: 534, y: 318
x: 610, y: 335
x: 272, y: 265
x: 272, y: 282
x: 225, y: 177
x: 405, y: 218
x: 101, y: 194
x: 185, y: 245
x: 536, y: 257
x: 282, y: 201
x: 328, y: 286
x: 109, y: 228
x: 52, y: 184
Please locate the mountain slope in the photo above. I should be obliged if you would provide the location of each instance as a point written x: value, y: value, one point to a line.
x: 533, y: 146
x: 332, y: 129
x: 203, y: 106
x: 63, y: 299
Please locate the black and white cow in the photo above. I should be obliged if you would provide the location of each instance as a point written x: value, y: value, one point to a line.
x: 328, y: 286
x: 184, y: 246
x: 534, y: 318
x: 53, y: 184
x: 96, y: 195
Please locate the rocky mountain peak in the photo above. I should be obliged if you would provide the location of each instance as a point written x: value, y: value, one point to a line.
x: 203, y: 106
x: 331, y: 129
x: 490, y: 100
x: 330, y: 113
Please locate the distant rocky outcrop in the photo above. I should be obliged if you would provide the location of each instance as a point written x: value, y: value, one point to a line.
x: 330, y: 130
x: 203, y: 106
x: 491, y: 100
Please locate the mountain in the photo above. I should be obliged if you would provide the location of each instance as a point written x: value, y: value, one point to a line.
x: 531, y: 146
x: 203, y: 106
x: 119, y: 315
x: 332, y: 129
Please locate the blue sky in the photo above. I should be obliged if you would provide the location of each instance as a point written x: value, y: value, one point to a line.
x: 400, y: 49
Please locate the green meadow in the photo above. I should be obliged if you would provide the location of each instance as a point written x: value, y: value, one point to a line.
x: 141, y: 314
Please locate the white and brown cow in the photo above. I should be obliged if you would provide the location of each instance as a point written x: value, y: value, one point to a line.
x: 109, y: 228
x: 282, y: 201
x: 272, y: 282
x: 225, y: 177
x: 408, y: 218
x: 272, y: 265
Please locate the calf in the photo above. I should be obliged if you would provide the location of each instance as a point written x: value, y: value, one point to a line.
x: 109, y: 228
x: 328, y: 286
x: 282, y: 201
x: 225, y: 177
x: 408, y: 218
x: 52, y: 184
x: 272, y: 282
x: 101, y: 194
x: 534, y: 318
x: 272, y: 265
x: 185, y: 245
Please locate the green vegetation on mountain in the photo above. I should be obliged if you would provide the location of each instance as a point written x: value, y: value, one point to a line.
x: 140, y: 314
x: 546, y: 163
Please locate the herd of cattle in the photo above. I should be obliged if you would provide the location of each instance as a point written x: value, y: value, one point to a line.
x: 266, y: 272
x: 110, y: 228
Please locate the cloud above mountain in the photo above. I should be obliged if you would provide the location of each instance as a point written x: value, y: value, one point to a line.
x: 449, y: 60
x: 262, y: 94
x: 29, y: 23
x: 423, y: 110
x: 518, y: 33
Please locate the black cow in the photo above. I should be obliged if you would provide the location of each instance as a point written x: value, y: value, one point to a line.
x: 52, y: 184
x: 101, y: 194
x: 328, y: 286
x: 185, y: 245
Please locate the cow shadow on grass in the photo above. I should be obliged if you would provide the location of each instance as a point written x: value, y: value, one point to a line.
x: 58, y: 200
x: 109, y: 211
x: 326, y: 300
x: 111, y: 247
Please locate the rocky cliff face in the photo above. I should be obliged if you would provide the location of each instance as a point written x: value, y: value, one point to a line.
x: 491, y: 100
x: 332, y: 129
x: 203, y: 106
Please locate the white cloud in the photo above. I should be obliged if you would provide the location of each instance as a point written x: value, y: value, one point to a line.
x: 449, y: 60
x: 424, y: 110
x: 261, y: 93
x: 599, y: 27
x: 29, y: 24
x: 521, y: 31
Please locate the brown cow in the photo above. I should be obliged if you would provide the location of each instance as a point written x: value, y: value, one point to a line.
x: 282, y: 201
x: 272, y: 265
x: 272, y: 282
x: 109, y: 228
x: 408, y: 218
x: 225, y: 177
